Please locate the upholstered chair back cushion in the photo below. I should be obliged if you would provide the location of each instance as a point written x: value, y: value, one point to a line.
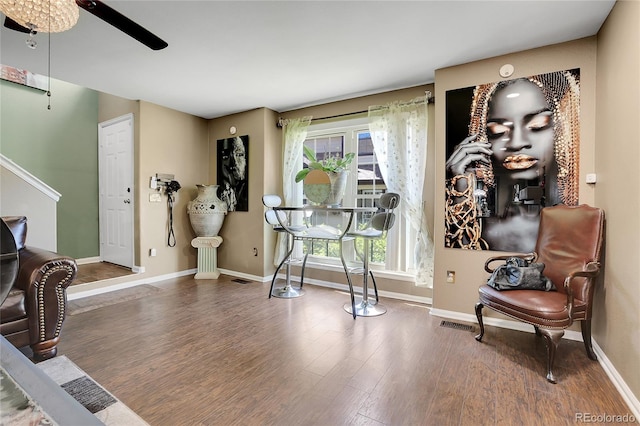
x: 566, y: 243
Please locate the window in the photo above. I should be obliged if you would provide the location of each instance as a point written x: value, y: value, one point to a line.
x: 364, y: 187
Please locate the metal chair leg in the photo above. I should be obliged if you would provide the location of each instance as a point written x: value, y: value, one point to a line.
x: 353, y: 298
x: 375, y: 286
x: 365, y: 308
x: 275, y: 274
x: 304, y: 264
x: 288, y: 291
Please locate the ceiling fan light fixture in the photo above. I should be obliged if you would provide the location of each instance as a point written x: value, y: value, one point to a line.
x: 47, y: 16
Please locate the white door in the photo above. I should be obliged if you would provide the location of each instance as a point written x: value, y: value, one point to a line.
x: 115, y: 166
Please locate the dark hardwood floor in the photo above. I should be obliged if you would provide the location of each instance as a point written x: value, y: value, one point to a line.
x: 216, y: 352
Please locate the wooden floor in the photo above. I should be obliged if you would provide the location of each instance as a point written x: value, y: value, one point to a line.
x: 217, y: 352
x: 98, y: 271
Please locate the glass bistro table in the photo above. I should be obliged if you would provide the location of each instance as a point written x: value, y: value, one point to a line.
x: 327, y: 224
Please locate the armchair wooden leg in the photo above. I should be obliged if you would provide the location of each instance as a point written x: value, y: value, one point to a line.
x: 479, y: 307
x: 552, y: 339
x: 586, y: 338
x: 45, y: 350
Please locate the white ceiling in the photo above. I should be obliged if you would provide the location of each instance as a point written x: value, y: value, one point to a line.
x: 232, y: 56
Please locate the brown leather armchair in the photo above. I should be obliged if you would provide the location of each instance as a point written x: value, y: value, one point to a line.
x: 34, y: 309
x: 569, y: 244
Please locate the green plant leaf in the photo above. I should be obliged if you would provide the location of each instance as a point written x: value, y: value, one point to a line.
x: 309, y: 154
x: 314, y: 165
x: 348, y: 158
x: 302, y: 174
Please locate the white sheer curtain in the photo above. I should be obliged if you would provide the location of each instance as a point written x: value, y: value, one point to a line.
x: 294, y: 134
x: 399, y: 135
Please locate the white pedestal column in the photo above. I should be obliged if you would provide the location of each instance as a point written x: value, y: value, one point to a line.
x: 207, y: 257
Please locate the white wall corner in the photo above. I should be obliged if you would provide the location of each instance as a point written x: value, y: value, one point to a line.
x: 29, y: 178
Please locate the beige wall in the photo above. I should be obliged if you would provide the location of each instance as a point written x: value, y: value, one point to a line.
x: 172, y: 142
x: 175, y: 143
x: 157, y: 129
x: 165, y: 141
x: 245, y: 231
x: 110, y: 107
x: 610, y: 87
x: 616, y: 322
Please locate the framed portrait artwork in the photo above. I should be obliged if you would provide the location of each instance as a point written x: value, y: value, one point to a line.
x: 233, y: 172
x: 512, y: 148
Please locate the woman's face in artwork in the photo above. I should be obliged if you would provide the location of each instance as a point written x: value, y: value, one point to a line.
x: 520, y: 130
x: 239, y: 159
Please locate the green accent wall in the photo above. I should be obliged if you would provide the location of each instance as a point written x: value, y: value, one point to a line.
x: 60, y: 147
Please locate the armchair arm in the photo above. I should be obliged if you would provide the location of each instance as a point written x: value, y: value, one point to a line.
x: 530, y: 257
x: 44, y: 277
x: 591, y: 270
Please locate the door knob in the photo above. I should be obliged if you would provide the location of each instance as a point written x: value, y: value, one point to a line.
x: 127, y: 201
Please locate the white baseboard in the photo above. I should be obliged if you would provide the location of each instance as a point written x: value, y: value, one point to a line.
x: 87, y: 260
x: 79, y: 291
x: 329, y: 284
x: 358, y: 290
x: 631, y: 400
x: 628, y: 396
x: 243, y: 275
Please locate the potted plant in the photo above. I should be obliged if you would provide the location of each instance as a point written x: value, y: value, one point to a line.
x: 335, y: 167
x: 332, y: 164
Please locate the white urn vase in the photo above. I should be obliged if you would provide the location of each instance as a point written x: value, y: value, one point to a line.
x: 206, y: 211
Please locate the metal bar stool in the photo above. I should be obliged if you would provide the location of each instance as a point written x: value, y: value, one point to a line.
x: 378, y: 227
x: 279, y: 220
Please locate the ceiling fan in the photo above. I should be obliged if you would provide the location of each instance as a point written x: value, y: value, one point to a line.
x: 110, y: 16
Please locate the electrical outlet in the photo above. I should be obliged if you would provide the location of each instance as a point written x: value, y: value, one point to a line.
x: 153, y: 252
x: 451, y: 277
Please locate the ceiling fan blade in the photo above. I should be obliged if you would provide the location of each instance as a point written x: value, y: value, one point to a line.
x: 121, y: 22
x: 13, y: 25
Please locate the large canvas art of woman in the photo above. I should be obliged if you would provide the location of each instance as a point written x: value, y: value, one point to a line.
x: 512, y: 149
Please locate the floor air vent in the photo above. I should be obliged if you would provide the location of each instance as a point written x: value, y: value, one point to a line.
x: 241, y: 281
x: 456, y: 325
